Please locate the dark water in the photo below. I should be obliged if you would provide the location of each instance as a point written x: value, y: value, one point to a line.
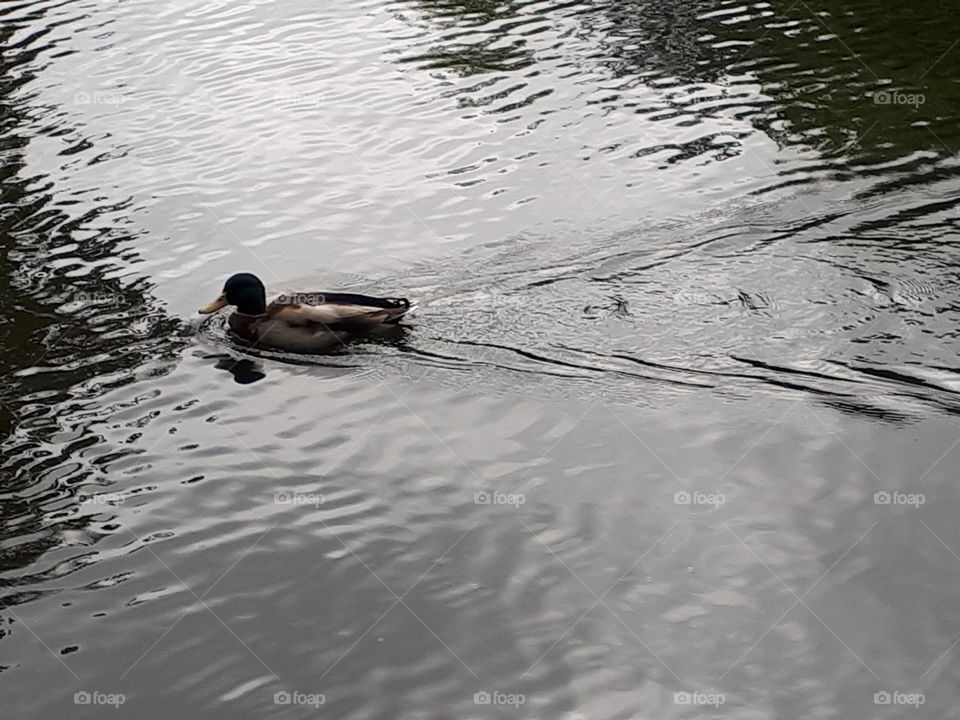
x: 688, y: 300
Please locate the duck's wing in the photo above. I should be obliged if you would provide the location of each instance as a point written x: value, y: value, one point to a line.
x: 336, y: 311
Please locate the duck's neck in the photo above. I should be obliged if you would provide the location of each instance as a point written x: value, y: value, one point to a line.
x: 252, y: 303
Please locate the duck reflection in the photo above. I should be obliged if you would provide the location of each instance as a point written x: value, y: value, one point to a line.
x: 252, y: 368
x: 244, y: 371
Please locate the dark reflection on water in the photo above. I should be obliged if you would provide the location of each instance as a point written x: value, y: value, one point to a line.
x: 73, y: 329
x: 244, y: 371
x: 848, y: 81
x: 662, y: 252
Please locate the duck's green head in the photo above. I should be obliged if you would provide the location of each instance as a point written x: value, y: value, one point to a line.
x: 243, y: 290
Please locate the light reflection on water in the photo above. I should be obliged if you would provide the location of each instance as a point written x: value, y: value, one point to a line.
x: 662, y: 252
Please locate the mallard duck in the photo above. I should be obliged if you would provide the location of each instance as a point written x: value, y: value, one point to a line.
x: 302, y: 322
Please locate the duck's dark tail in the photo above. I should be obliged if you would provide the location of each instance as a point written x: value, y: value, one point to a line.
x: 401, y: 305
x: 367, y: 300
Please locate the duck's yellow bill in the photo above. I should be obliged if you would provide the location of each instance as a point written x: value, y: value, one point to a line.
x: 220, y: 302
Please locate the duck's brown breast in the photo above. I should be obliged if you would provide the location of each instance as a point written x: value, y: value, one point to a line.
x: 243, y: 326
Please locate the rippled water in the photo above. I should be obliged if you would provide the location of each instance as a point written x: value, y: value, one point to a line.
x: 671, y: 432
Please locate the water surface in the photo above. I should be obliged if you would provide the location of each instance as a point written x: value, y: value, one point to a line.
x: 674, y: 419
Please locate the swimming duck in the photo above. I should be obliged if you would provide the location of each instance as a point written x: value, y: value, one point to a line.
x: 302, y: 322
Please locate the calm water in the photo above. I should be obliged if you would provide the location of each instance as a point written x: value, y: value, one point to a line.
x: 671, y: 433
